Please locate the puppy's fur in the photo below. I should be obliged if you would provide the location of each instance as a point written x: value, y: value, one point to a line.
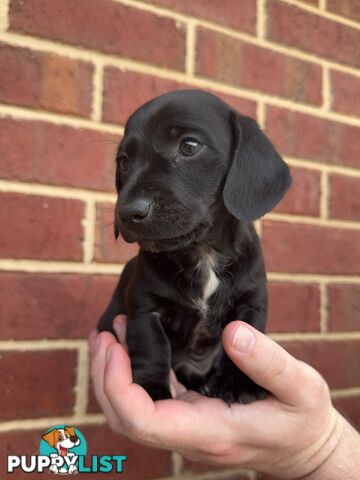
x: 191, y: 176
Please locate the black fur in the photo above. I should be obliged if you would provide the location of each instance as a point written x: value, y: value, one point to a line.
x: 188, y: 213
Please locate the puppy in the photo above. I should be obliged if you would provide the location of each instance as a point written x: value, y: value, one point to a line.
x: 62, y: 439
x: 191, y: 176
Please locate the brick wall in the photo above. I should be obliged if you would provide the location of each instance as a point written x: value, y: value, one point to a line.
x: 70, y: 74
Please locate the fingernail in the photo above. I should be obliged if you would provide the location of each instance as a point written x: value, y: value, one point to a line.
x: 243, y: 340
x: 108, y: 354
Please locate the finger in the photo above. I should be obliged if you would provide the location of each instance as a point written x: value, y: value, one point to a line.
x: 99, y: 346
x: 119, y: 326
x: 130, y: 401
x: 267, y: 363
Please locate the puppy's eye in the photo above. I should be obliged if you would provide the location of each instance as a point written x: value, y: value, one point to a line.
x: 189, y: 146
x: 124, y: 163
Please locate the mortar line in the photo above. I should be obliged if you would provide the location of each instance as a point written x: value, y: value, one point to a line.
x: 317, y: 221
x: 323, y: 13
x: 331, y: 169
x: 315, y: 337
x: 326, y: 89
x: 324, y: 323
x: 4, y: 15
x: 42, y: 344
x: 89, y: 227
x: 312, y: 278
x: 23, y: 113
x: 190, y: 57
x: 260, y: 19
x: 97, y: 92
x: 322, y: 5
x: 261, y: 114
x: 56, y: 191
x: 39, y: 266
x: 82, y: 382
x: 177, y: 463
x: 345, y: 392
x: 44, y: 423
x: 324, y: 196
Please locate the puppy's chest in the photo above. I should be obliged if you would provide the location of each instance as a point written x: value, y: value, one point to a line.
x: 207, y: 282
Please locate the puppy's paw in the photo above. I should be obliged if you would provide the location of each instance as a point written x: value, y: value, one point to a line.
x: 157, y: 391
x: 233, y: 389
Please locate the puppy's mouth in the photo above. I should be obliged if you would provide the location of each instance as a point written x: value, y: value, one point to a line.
x: 63, y: 451
x: 175, y: 243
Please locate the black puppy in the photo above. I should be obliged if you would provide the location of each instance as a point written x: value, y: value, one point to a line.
x: 191, y: 175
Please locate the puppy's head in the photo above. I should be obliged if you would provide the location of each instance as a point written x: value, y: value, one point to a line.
x: 186, y: 157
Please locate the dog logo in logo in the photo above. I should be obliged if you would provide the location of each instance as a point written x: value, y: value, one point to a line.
x: 62, y: 440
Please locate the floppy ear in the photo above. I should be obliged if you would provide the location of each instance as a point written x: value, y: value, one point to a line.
x: 258, y: 177
x: 50, y: 438
x: 71, y: 430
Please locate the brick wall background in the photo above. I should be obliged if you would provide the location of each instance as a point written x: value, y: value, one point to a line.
x: 70, y: 74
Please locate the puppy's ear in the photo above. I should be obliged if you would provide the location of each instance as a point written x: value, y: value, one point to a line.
x: 71, y: 430
x: 258, y: 177
x: 50, y: 437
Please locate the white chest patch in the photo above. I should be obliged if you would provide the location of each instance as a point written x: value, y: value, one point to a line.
x: 207, y: 268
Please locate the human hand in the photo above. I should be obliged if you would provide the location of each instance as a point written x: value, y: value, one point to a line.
x: 292, y: 433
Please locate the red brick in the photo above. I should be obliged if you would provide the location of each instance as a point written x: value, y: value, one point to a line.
x: 337, y: 360
x: 304, y: 195
x: 312, y: 33
x: 345, y: 93
x: 344, y: 307
x: 311, y: 2
x: 143, y: 462
x: 240, y: 17
x: 305, y: 136
x: 45, y: 81
x: 39, y: 305
x: 126, y: 91
x: 293, y: 307
x: 233, y: 61
x: 39, y: 227
x: 57, y: 155
x: 103, y: 25
x: 106, y: 248
x: 303, y: 248
x: 347, y: 8
x: 349, y: 407
x: 344, y: 197
x: 48, y: 375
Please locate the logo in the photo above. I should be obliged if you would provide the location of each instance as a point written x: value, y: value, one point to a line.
x: 63, y: 451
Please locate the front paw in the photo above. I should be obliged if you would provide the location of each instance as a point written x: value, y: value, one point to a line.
x: 156, y: 390
x: 233, y: 388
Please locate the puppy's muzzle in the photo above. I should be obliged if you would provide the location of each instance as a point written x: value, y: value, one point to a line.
x: 136, y: 211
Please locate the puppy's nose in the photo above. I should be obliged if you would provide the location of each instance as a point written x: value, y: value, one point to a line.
x: 135, y: 211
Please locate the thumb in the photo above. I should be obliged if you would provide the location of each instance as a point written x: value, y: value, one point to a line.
x: 266, y: 362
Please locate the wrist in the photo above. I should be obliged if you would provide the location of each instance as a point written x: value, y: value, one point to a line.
x: 339, y: 456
